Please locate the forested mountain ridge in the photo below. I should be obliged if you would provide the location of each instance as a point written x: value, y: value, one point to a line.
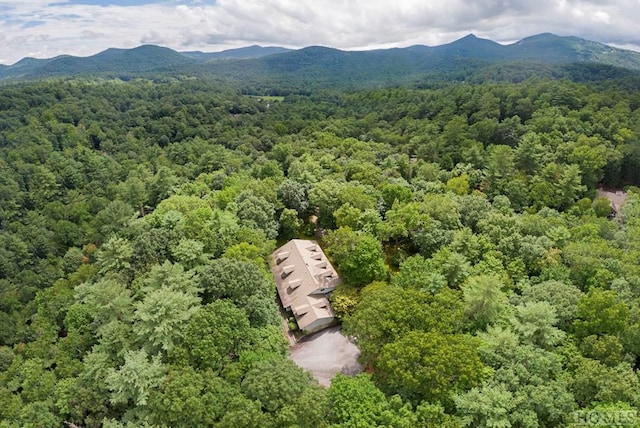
x: 247, y: 52
x: 467, y: 59
x: 486, y: 285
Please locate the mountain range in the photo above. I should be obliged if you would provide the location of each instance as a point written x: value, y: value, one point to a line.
x: 465, y: 59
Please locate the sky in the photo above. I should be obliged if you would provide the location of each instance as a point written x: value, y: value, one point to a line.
x: 47, y: 28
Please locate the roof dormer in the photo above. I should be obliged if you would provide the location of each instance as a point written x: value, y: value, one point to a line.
x: 287, y: 270
x: 280, y: 257
x: 301, y: 310
x: 293, y: 284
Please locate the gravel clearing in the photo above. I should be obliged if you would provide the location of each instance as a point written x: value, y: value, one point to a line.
x: 325, y: 354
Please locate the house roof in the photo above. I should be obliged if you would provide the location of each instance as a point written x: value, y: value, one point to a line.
x: 311, y: 309
x: 303, y: 275
x: 616, y: 198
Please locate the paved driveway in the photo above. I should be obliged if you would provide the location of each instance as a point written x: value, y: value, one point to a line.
x: 325, y: 354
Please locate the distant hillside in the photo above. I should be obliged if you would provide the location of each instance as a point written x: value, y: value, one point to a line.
x: 26, y: 67
x: 248, y: 52
x: 114, y: 62
x: 142, y: 59
x: 552, y: 48
x: 467, y: 59
x: 471, y: 47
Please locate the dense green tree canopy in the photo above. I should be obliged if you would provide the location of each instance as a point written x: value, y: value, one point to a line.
x: 429, y: 366
x: 358, y: 255
x: 485, y: 281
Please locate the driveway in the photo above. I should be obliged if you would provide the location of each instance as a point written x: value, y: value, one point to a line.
x: 325, y: 354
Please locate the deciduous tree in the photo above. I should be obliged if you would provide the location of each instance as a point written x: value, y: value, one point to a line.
x: 429, y: 366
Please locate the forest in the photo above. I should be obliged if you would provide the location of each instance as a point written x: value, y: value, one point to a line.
x: 485, y: 282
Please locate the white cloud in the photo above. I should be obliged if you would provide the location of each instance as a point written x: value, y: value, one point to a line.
x: 77, y: 29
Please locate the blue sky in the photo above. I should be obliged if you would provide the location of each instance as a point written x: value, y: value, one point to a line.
x: 46, y: 28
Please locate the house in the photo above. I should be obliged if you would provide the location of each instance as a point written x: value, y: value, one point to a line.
x: 616, y: 199
x: 304, y: 276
